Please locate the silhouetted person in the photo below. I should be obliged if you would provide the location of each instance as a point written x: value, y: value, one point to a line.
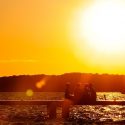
x: 90, y: 92
x: 104, y: 96
x: 78, y: 94
x: 67, y: 91
x: 84, y: 93
x: 67, y: 102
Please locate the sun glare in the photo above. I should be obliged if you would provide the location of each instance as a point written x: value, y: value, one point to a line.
x: 102, y: 26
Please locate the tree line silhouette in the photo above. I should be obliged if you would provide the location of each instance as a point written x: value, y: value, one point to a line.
x: 56, y: 83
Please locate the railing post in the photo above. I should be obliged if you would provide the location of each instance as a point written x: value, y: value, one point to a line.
x: 66, y: 108
x: 51, y: 110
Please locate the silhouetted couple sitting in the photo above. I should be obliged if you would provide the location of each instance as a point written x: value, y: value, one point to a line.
x: 83, y: 93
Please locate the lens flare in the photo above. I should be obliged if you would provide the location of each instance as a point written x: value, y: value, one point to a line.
x: 29, y: 92
x: 40, y: 84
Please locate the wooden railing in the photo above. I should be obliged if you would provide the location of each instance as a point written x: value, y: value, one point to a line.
x: 53, y: 104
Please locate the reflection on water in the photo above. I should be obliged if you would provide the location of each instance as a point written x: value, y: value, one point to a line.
x: 110, y: 96
x: 88, y: 114
x: 98, y: 113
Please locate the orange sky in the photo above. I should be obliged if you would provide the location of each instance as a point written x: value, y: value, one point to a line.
x: 34, y: 38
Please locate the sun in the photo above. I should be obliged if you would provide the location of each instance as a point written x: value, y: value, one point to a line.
x: 102, y: 26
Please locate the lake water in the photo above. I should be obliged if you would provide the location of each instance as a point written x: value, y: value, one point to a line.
x: 35, y: 114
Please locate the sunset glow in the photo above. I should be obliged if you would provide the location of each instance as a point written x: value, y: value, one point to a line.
x: 55, y: 37
x: 102, y: 25
x: 99, y: 35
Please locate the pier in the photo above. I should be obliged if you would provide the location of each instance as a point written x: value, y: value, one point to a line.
x: 53, y: 104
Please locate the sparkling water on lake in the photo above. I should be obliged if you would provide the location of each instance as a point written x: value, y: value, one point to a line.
x: 88, y: 114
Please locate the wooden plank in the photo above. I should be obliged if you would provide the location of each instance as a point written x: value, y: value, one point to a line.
x: 58, y: 102
x: 30, y: 102
x: 109, y: 102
